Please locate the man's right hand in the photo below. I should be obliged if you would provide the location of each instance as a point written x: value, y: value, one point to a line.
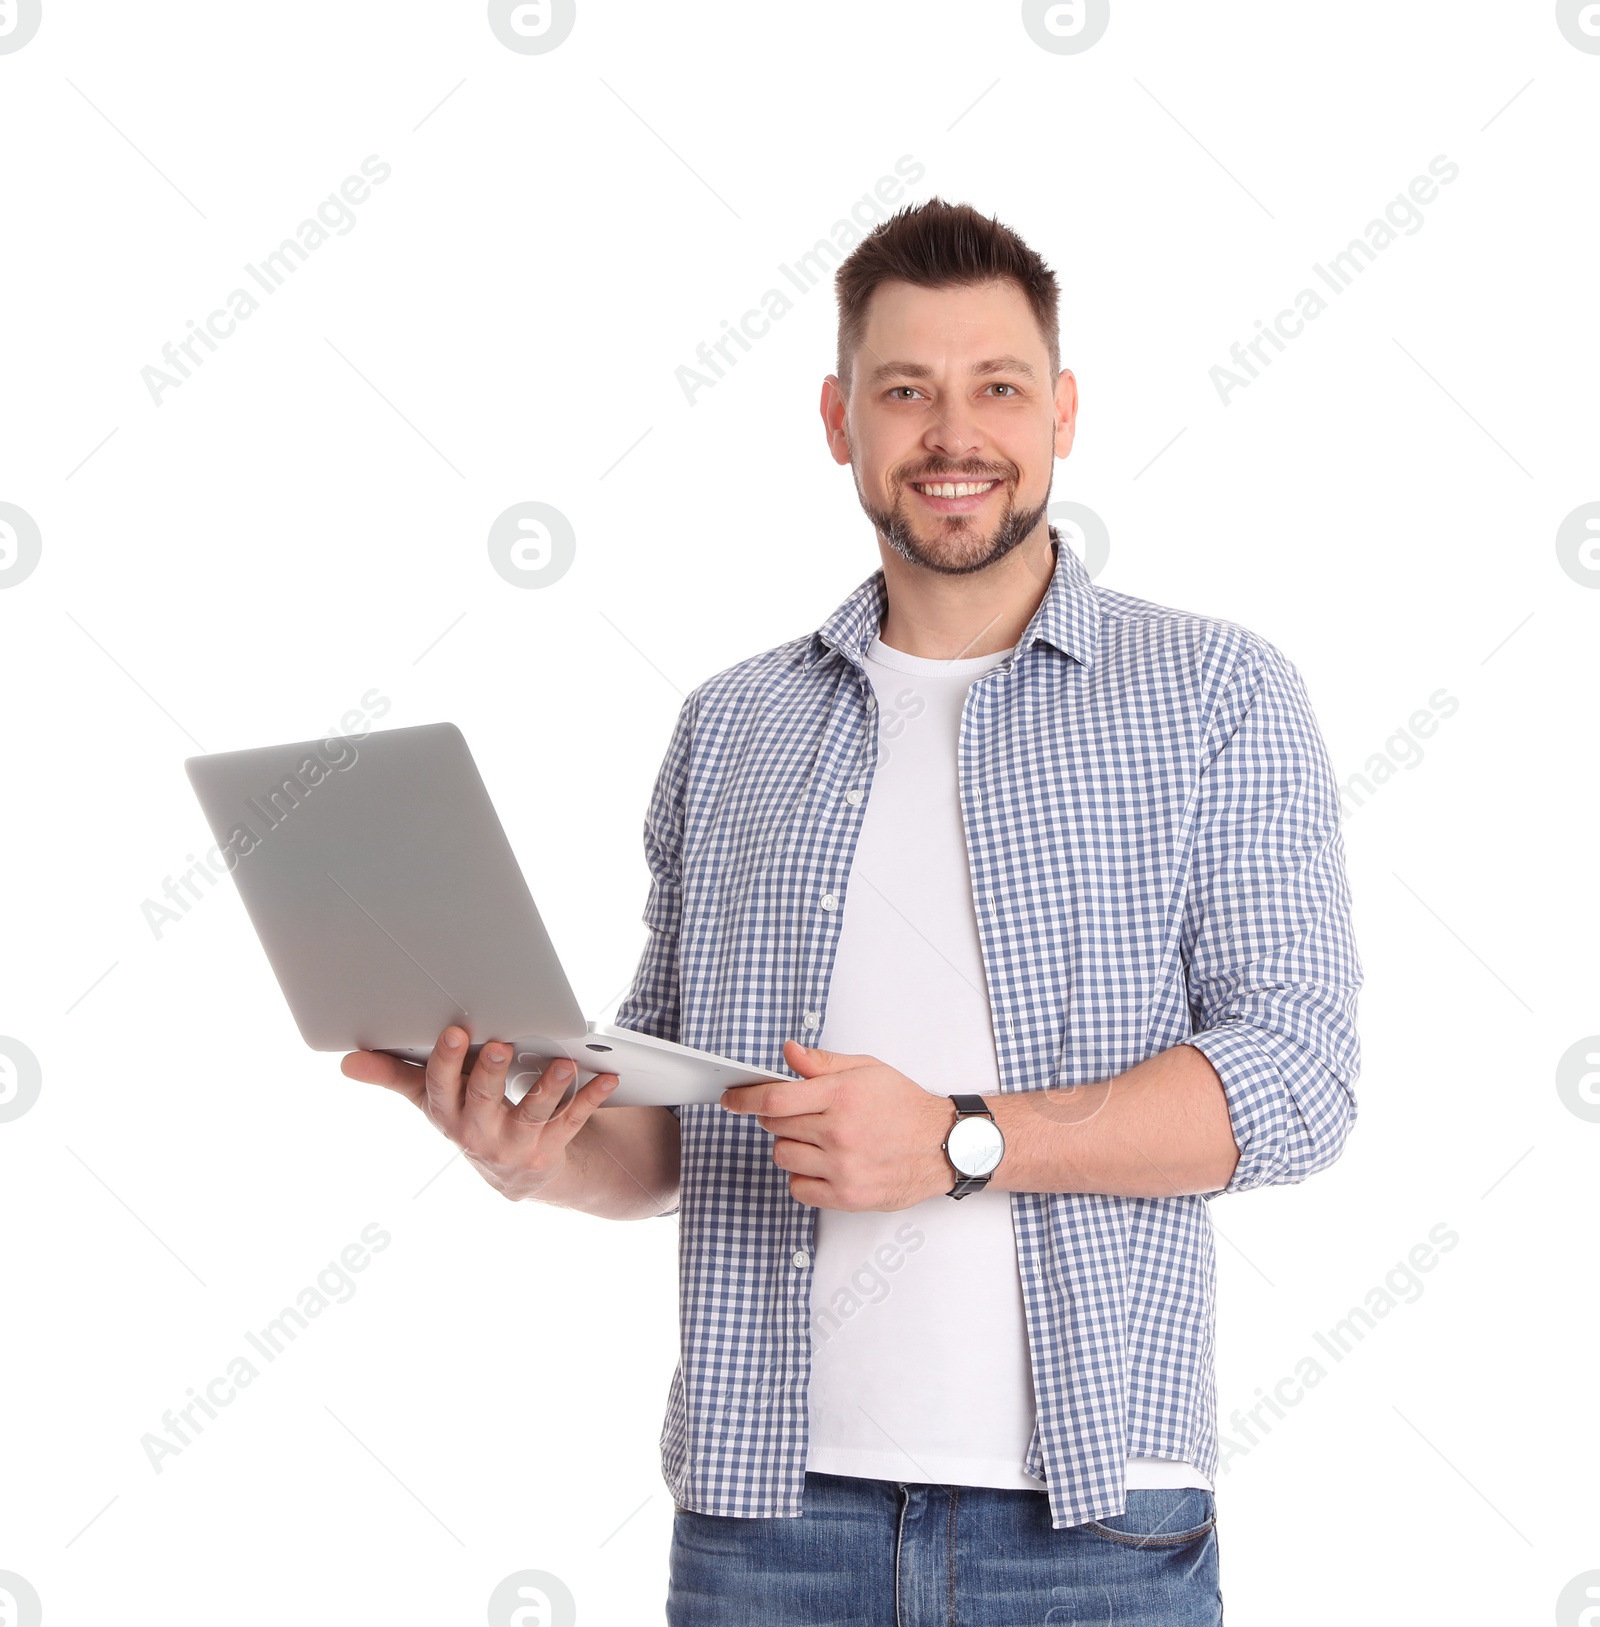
x: 518, y: 1149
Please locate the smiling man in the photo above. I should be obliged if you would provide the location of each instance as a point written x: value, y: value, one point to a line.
x: 1033, y: 896
x: 1072, y: 949
x: 1049, y: 880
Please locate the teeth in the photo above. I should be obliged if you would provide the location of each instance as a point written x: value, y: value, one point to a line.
x: 950, y: 490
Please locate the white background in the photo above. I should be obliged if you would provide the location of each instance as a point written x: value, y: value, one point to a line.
x: 304, y: 520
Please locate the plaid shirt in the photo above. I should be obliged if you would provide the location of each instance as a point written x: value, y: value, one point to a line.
x: 1154, y: 842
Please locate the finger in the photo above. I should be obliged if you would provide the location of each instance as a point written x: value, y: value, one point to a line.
x: 800, y: 1157
x: 781, y: 1098
x: 536, y: 1110
x: 539, y: 1100
x: 379, y: 1068
x: 483, y: 1100
x: 811, y: 1127
x: 821, y: 1062
x: 441, y: 1078
x: 561, y: 1127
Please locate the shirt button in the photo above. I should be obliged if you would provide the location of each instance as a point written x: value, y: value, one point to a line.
x: 829, y: 901
x: 801, y: 1258
x: 812, y: 1018
x: 872, y: 703
x: 853, y: 798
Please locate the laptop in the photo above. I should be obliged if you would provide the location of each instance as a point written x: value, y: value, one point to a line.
x: 377, y: 876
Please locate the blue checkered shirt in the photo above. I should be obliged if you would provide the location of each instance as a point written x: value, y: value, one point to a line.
x: 1153, y: 833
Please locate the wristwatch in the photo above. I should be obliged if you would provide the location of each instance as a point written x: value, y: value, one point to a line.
x: 974, y: 1145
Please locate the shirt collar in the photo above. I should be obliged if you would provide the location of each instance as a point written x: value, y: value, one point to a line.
x: 1068, y: 616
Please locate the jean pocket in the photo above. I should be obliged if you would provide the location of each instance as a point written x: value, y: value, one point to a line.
x: 1160, y: 1517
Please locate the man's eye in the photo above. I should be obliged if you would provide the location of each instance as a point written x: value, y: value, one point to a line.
x: 911, y: 389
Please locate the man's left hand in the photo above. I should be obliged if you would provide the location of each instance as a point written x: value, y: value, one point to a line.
x: 853, y: 1132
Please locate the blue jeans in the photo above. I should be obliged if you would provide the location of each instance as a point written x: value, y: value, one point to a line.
x: 880, y: 1553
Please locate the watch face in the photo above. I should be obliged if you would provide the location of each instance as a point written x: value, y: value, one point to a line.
x: 975, y: 1145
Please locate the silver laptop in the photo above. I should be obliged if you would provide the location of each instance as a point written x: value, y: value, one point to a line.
x: 381, y: 884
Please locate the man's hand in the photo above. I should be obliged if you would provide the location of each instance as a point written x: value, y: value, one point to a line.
x: 853, y: 1132
x: 519, y: 1150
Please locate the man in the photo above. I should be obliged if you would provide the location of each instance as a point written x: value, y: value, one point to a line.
x: 992, y: 834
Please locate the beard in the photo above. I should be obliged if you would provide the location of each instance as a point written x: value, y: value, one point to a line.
x: 959, y: 543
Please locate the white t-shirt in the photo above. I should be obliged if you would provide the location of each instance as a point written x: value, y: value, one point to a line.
x: 919, y: 1365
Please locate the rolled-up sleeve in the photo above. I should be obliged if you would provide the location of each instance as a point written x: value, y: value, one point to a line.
x: 651, y: 1005
x: 1270, y: 956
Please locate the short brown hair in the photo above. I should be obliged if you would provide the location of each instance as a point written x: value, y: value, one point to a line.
x: 941, y: 245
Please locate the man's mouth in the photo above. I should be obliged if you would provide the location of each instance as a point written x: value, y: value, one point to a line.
x: 953, y: 496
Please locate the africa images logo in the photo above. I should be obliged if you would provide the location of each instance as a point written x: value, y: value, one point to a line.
x: 19, y: 22
x: 532, y: 27
x: 1065, y: 27
x: 20, y: 546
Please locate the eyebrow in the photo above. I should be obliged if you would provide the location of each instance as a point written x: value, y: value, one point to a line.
x: 917, y: 370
